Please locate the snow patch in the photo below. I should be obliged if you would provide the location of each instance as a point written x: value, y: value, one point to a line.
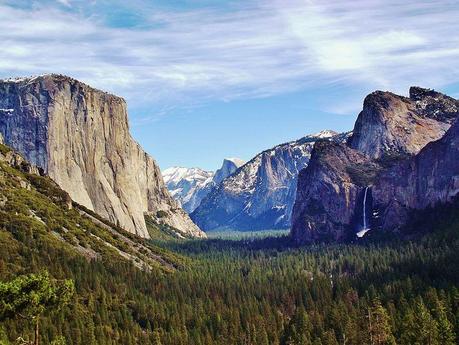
x: 327, y: 133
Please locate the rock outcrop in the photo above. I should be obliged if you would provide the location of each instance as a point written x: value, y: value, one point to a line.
x: 261, y: 193
x: 383, y: 172
x: 391, y: 124
x: 229, y: 166
x: 80, y: 137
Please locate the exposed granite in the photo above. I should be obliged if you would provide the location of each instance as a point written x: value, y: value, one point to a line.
x: 80, y: 137
x: 390, y: 124
x: 399, y: 153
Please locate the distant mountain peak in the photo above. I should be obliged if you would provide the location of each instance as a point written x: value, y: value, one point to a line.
x: 327, y: 133
x: 175, y: 174
x: 190, y: 185
x: 237, y: 161
x: 229, y: 166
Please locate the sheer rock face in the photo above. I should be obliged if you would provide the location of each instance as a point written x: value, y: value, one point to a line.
x: 229, y: 166
x: 390, y: 153
x: 392, y: 124
x: 429, y: 178
x: 80, y: 137
x: 329, y: 190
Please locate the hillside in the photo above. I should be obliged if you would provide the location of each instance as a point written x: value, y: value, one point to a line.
x: 42, y: 228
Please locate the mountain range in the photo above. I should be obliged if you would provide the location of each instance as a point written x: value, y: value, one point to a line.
x: 261, y: 193
x: 399, y: 159
x: 190, y: 185
x: 393, y: 163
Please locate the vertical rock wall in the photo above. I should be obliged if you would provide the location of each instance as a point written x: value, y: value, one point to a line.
x: 80, y: 137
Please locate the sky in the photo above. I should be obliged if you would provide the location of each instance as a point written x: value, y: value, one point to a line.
x: 207, y: 79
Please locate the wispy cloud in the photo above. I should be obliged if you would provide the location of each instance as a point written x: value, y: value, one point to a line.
x: 254, y: 49
x: 65, y: 2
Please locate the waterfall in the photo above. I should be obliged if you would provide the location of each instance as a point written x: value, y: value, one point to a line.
x: 365, y: 209
x: 365, y: 228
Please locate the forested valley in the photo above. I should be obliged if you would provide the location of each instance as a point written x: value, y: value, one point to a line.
x: 262, y: 291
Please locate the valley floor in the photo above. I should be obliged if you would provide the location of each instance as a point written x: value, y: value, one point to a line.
x: 239, y: 235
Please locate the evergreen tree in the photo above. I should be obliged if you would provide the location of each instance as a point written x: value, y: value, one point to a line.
x: 379, y: 330
x: 29, y: 296
x: 298, y: 329
x: 408, y: 328
x: 425, y: 326
x: 329, y: 338
x: 446, y: 334
x: 156, y: 338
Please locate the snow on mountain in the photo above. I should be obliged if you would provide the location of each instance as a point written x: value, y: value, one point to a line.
x: 190, y: 185
x: 261, y: 193
x: 186, y: 185
x: 324, y: 134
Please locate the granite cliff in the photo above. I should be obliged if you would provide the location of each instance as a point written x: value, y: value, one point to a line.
x: 398, y: 159
x: 328, y: 190
x: 79, y: 136
x: 425, y: 180
x: 229, y: 167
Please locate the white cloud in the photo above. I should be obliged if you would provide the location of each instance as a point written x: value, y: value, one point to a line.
x: 257, y: 49
x: 64, y: 2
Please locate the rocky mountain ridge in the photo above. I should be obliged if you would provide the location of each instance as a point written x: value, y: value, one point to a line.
x: 398, y: 159
x: 80, y: 137
x: 260, y: 194
x: 190, y: 185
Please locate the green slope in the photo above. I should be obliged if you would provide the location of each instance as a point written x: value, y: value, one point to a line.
x: 40, y: 228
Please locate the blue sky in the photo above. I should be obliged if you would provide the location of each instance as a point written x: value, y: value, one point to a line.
x: 207, y: 79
